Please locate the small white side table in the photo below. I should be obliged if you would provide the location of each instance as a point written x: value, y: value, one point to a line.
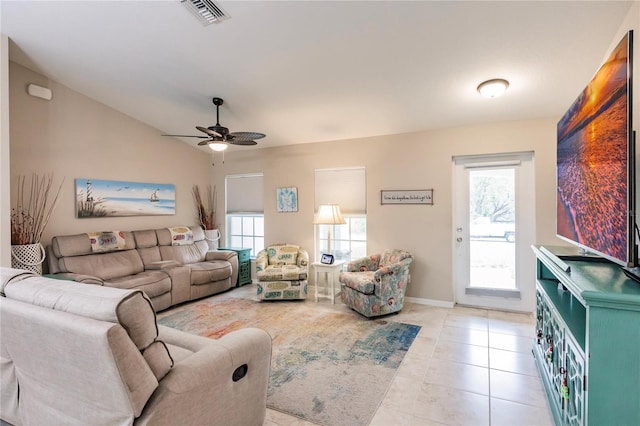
x: 331, y: 277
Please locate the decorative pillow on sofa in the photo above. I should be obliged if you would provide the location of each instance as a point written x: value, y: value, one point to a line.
x: 107, y: 241
x: 283, y: 254
x: 181, y: 236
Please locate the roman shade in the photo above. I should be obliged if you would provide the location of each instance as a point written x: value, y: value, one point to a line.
x: 346, y: 187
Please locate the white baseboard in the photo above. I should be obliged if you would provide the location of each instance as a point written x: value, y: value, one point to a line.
x: 430, y: 302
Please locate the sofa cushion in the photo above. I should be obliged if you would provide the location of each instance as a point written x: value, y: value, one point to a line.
x: 104, y: 265
x: 206, y: 272
x: 131, y: 309
x: 283, y: 254
x: 361, y: 282
x: 145, y: 239
x: 185, y: 255
x: 80, y: 244
x: 282, y: 272
x: 153, y: 283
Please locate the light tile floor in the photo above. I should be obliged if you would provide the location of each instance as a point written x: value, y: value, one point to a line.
x: 467, y: 366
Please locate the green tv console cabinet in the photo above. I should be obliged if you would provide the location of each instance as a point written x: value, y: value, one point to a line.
x: 587, y: 347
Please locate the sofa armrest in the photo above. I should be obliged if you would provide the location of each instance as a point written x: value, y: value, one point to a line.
x: 220, y: 255
x: 262, y: 260
x: 201, y: 388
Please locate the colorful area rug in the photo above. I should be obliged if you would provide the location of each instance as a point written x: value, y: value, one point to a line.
x: 327, y: 367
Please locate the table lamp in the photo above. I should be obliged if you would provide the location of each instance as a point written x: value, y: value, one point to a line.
x: 329, y: 214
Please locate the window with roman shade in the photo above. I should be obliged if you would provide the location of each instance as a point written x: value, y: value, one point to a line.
x: 245, y: 211
x: 346, y: 187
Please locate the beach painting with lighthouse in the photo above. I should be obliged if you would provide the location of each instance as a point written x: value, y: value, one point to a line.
x: 109, y: 198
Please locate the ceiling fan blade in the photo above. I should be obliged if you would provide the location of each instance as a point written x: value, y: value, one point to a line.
x: 208, y: 131
x: 248, y: 136
x: 187, y: 136
x: 241, y: 142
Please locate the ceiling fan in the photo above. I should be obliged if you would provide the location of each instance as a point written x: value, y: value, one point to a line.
x: 219, y: 138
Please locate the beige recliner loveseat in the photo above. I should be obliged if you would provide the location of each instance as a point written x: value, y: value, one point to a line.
x: 77, y: 354
x: 168, y: 268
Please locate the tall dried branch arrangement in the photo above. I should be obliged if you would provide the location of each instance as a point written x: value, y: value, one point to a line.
x: 34, y: 205
x: 206, y: 213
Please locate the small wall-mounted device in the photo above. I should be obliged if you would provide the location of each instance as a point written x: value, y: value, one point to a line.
x: 39, y: 92
x: 327, y: 259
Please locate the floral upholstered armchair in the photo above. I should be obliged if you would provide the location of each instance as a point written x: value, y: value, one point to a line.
x: 282, y: 271
x: 376, y: 285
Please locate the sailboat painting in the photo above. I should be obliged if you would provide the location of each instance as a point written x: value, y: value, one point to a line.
x: 109, y: 198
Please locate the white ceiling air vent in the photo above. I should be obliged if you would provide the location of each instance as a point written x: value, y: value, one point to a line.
x: 206, y: 11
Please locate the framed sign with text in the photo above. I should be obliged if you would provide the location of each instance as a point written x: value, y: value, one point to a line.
x: 401, y: 196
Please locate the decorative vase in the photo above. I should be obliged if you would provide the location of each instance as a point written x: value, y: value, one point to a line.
x: 28, y: 256
x: 212, y: 236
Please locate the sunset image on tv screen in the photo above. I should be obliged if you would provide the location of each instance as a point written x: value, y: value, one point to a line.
x: 592, y: 161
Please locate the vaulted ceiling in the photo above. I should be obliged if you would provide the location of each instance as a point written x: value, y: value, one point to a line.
x: 309, y: 71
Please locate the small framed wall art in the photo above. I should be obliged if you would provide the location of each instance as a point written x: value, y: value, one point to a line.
x: 416, y: 196
x: 287, y: 199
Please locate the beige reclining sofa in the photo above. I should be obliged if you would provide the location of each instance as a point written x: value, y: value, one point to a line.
x: 168, y: 269
x: 77, y: 354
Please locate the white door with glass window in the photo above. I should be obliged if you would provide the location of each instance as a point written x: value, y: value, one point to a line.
x: 494, y: 228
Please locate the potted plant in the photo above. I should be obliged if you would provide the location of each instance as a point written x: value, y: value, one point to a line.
x: 207, y: 214
x: 34, y: 204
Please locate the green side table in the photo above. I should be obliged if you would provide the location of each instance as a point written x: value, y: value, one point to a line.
x: 244, y: 264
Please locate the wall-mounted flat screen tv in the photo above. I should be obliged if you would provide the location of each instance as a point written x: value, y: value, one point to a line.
x: 596, y: 163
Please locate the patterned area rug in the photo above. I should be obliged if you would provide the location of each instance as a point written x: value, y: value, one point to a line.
x: 328, y: 367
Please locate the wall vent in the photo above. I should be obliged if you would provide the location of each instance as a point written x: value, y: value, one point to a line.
x: 206, y: 11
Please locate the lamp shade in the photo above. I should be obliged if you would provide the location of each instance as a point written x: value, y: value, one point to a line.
x: 329, y: 214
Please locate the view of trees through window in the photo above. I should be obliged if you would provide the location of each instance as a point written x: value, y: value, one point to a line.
x: 493, y: 195
x: 492, y: 215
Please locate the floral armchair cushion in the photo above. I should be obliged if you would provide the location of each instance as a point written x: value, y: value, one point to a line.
x: 275, y: 263
x: 282, y: 272
x: 283, y: 254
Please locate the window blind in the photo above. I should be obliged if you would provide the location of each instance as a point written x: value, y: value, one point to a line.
x: 244, y: 193
x: 346, y: 187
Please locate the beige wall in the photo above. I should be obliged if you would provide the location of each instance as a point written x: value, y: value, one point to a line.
x: 407, y: 161
x: 73, y: 136
x: 5, y: 210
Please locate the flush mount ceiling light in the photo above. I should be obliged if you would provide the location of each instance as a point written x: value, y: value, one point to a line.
x: 493, y: 88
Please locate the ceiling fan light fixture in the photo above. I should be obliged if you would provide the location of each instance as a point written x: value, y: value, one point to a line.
x: 493, y: 88
x: 218, y: 146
